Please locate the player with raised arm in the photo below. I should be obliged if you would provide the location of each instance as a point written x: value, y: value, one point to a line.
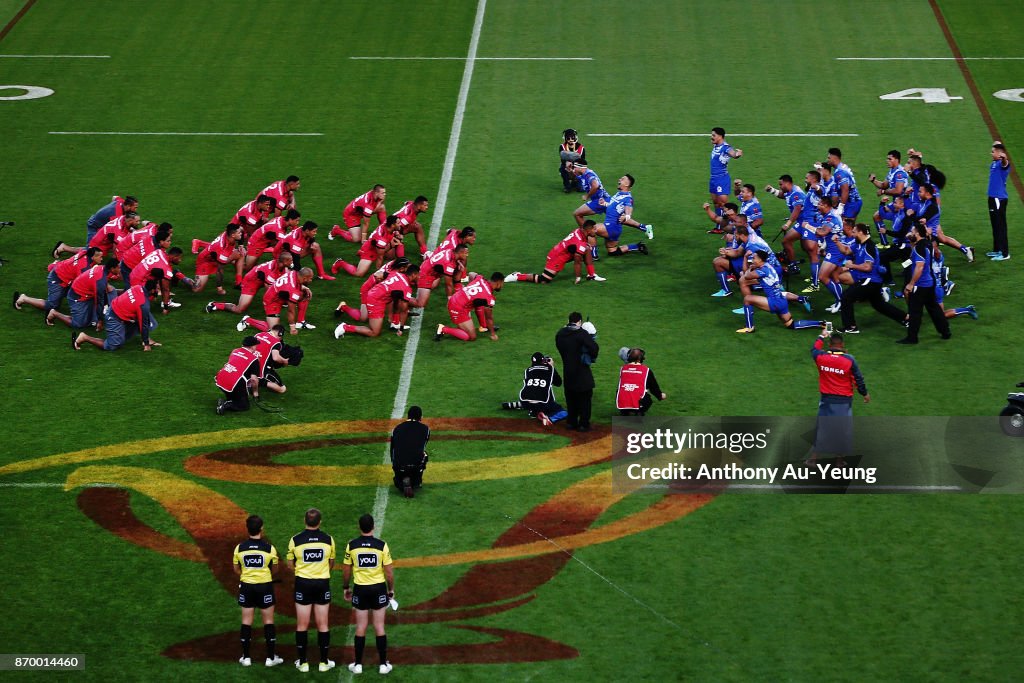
x: 618, y: 211
x: 476, y: 294
x: 775, y: 299
x: 574, y: 247
x: 356, y: 215
x: 894, y: 185
x: 721, y: 154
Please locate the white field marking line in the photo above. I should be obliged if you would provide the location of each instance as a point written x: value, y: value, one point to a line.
x: 380, y: 501
x: 731, y: 135
x: 108, y: 132
x: 486, y: 59
x: 919, y: 59
x: 54, y: 56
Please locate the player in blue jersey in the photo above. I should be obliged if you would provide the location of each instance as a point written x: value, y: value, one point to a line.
x: 829, y: 188
x: 943, y: 287
x: 849, y: 198
x: 595, y: 196
x: 721, y: 153
x: 998, y: 170
x: 775, y: 299
x: 838, y: 247
x: 750, y: 205
x: 894, y: 185
x: 618, y: 211
x: 729, y: 262
x: 928, y: 212
x: 819, y: 226
x: 793, y: 227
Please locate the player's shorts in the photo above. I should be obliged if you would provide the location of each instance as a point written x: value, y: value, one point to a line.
x: 556, y: 264
x: 806, y: 234
x: 258, y: 595
x: 595, y: 203
x: 120, y: 331
x: 427, y: 280
x: 614, y: 230
x: 940, y: 291
x: 352, y: 219
x: 375, y: 311
x: 83, y: 313
x: 374, y: 596
x: 251, y: 286
x: 55, y: 290
x: 312, y: 591
x: 368, y: 252
x: 720, y: 184
x: 273, y: 307
x: 736, y: 264
x: 852, y: 208
x: 257, y: 247
x: 206, y: 267
x: 834, y: 257
x: 778, y: 305
x: 458, y: 316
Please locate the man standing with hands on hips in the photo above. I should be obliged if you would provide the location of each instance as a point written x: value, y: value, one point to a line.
x: 997, y: 198
x: 368, y: 563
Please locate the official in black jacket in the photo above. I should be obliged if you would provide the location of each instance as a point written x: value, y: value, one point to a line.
x: 573, y: 344
x: 409, y: 452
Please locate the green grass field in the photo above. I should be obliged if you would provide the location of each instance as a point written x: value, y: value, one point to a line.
x: 135, y: 574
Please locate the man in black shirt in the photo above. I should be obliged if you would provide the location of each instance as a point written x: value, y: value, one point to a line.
x: 408, y: 452
x: 537, y: 394
x: 573, y: 344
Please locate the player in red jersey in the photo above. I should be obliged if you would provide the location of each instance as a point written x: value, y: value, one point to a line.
x: 477, y: 294
x: 156, y: 273
x: 302, y: 241
x: 88, y: 295
x: 126, y: 315
x: 407, y: 223
x: 254, y: 280
x: 283, y: 193
x: 394, y: 290
x: 455, y: 237
x: 254, y: 214
x: 384, y: 238
x: 574, y: 247
x: 58, y: 281
x: 222, y: 251
x: 239, y: 377
x: 133, y: 248
x: 356, y: 215
x: 107, y: 236
x: 444, y: 265
x: 266, y: 236
x: 288, y: 289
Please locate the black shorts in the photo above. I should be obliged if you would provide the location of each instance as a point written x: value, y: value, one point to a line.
x: 373, y: 596
x: 257, y: 595
x: 312, y: 591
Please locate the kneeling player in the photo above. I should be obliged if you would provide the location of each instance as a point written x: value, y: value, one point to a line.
x: 222, y: 251
x: 394, y: 290
x: 574, y: 247
x: 386, y: 236
x: 356, y: 215
x: 478, y: 295
x: 447, y: 265
x: 775, y: 300
x: 127, y: 314
x: 619, y: 212
x: 290, y: 288
x: 263, y: 274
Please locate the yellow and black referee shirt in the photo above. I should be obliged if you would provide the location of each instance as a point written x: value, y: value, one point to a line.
x: 312, y: 552
x: 255, y: 557
x: 368, y: 556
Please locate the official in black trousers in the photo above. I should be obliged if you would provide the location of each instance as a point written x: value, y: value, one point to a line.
x: 573, y: 342
x: 409, y: 452
x: 920, y: 291
x: 865, y: 267
x: 997, y: 199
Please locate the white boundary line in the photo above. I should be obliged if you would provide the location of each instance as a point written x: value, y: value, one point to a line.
x: 409, y: 357
x: 920, y: 59
x: 731, y: 135
x: 107, y: 132
x: 54, y: 56
x: 485, y: 59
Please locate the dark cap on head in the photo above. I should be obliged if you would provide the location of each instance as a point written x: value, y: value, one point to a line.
x: 537, y: 358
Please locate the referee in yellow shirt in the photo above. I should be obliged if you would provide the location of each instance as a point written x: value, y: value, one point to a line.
x: 311, y: 554
x: 368, y: 561
x: 254, y: 561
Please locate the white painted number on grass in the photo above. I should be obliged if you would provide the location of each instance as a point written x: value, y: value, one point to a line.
x: 31, y: 92
x: 928, y: 95
x: 1014, y: 95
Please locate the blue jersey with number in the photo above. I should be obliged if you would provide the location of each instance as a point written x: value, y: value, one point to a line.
x: 616, y: 209
x: 795, y: 199
x: 587, y: 179
x: 897, y: 175
x: 812, y: 196
x: 770, y: 282
x: 844, y: 176
x: 752, y: 210
x: 829, y: 188
x: 720, y: 159
x: 756, y: 243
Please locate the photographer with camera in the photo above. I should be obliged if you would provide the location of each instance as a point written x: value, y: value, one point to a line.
x: 637, y: 386
x: 537, y: 394
x: 569, y: 152
x: 578, y: 348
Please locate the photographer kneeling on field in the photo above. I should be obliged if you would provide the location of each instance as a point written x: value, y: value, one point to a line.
x: 637, y: 386
x: 537, y: 394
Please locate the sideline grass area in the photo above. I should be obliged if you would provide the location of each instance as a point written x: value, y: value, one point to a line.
x: 757, y: 587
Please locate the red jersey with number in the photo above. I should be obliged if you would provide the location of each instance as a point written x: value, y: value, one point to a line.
x: 250, y: 217
x: 126, y: 242
x: 218, y: 252
x: 142, y: 247
x: 108, y: 235
x: 266, y: 236
x: 632, y: 386
x: 363, y: 206
x: 295, y: 242
x: 157, y: 259
x: 287, y: 283
x: 442, y: 263
x: 573, y: 243
x: 282, y: 196
x: 85, y: 284
x: 378, y: 242
x: 70, y: 268
x: 381, y: 293
x: 242, y: 364
x: 476, y: 293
